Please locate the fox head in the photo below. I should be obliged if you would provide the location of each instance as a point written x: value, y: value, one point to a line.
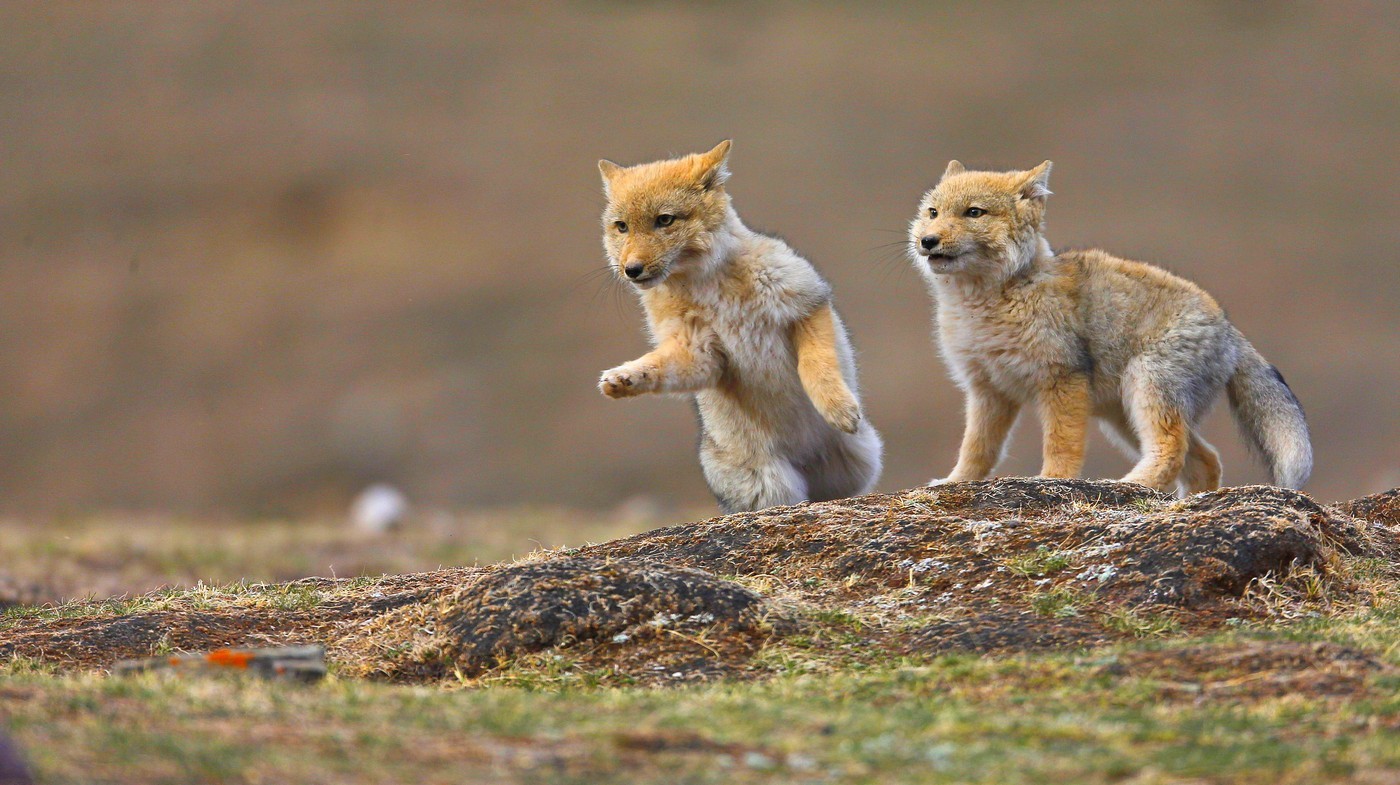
x: 662, y: 217
x: 983, y: 224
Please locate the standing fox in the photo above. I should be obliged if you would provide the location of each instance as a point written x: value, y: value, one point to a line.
x: 747, y: 326
x: 1084, y: 333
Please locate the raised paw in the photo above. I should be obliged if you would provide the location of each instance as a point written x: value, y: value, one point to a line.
x: 843, y: 416
x: 626, y: 381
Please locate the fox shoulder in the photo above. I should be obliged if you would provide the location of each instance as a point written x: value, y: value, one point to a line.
x: 787, y: 285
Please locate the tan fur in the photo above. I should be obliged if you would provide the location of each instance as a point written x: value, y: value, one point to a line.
x: 819, y: 368
x: 1081, y: 335
x: 1064, y: 415
x: 743, y: 323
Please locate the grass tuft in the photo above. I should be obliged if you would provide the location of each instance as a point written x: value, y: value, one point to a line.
x: 1058, y: 603
x: 1140, y: 624
x: 1039, y: 563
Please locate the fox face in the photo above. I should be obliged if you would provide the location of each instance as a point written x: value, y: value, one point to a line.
x: 979, y: 223
x: 661, y: 217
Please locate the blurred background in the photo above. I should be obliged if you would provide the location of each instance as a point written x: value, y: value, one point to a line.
x: 255, y: 256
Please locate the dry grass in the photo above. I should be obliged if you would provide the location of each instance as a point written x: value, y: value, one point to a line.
x: 105, y: 556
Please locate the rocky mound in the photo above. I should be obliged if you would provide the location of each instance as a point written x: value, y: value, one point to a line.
x: 1011, y: 564
x: 565, y: 602
x: 1126, y: 541
x: 1380, y: 508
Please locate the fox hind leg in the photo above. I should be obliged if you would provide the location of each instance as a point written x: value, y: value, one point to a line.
x: 851, y: 466
x: 1202, y: 471
x: 1162, y: 430
x: 752, y: 486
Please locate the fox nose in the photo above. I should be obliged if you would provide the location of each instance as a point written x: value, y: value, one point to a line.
x: 634, y: 271
x: 929, y: 242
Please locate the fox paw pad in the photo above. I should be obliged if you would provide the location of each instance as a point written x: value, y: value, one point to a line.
x: 625, y: 382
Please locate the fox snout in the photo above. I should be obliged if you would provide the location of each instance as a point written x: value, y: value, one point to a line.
x: 642, y: 273
x: 929, y: 242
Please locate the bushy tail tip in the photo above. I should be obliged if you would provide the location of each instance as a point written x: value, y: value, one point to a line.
x: 1271, y: 419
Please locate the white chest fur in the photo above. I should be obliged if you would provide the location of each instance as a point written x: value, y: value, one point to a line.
x: 1008, y: 342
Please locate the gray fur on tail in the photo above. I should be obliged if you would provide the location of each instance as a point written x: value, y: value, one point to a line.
x: 1271, y: 419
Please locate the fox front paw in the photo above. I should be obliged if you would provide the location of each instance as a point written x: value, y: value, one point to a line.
x: 626, y: 381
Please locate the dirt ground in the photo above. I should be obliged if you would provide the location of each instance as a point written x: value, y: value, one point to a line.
x: 1010, y: 632
x: 1003, y: 566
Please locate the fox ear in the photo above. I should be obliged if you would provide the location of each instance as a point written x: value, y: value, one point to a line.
x: 609, y: 170
x: 714, y: 165
x: 1035, y: 184
x: 954, y: 167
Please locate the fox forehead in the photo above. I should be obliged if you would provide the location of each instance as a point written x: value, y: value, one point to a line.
x: 984, y: 188
x: 655, y: 185
x: 653, y: 198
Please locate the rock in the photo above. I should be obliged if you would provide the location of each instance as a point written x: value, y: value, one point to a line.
x: 574, y: 602
x: 1380, y: 508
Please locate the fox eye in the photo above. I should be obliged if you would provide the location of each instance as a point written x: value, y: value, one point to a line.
x: 665, y: 219
x: 933, y: 212
x: 975, y: 212
x: 620, y: 226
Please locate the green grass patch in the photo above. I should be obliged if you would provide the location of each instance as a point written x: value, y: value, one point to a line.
x: 960, y: 718
x: 1039, y: 563
x: 1140, y: 624
x: 1058, y: 603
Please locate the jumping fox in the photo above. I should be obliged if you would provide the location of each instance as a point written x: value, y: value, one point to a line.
x: 746, y: 325
x: 1083, y: 333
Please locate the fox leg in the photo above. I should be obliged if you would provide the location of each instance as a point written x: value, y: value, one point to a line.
x: 1201, y: 471
x: 751, y: 485
x: 819, y: 367
x: 990, y: 416
x: 1120, y: 434
x: 1064, y: 418
x: 850, y: 466
x: 1164, y: 433
x: 677, y: 364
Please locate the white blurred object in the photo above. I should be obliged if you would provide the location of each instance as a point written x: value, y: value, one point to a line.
x: 379, y: 508
x: 639, y: 509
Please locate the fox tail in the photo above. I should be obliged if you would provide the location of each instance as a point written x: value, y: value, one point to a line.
x: 1270, y: 418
